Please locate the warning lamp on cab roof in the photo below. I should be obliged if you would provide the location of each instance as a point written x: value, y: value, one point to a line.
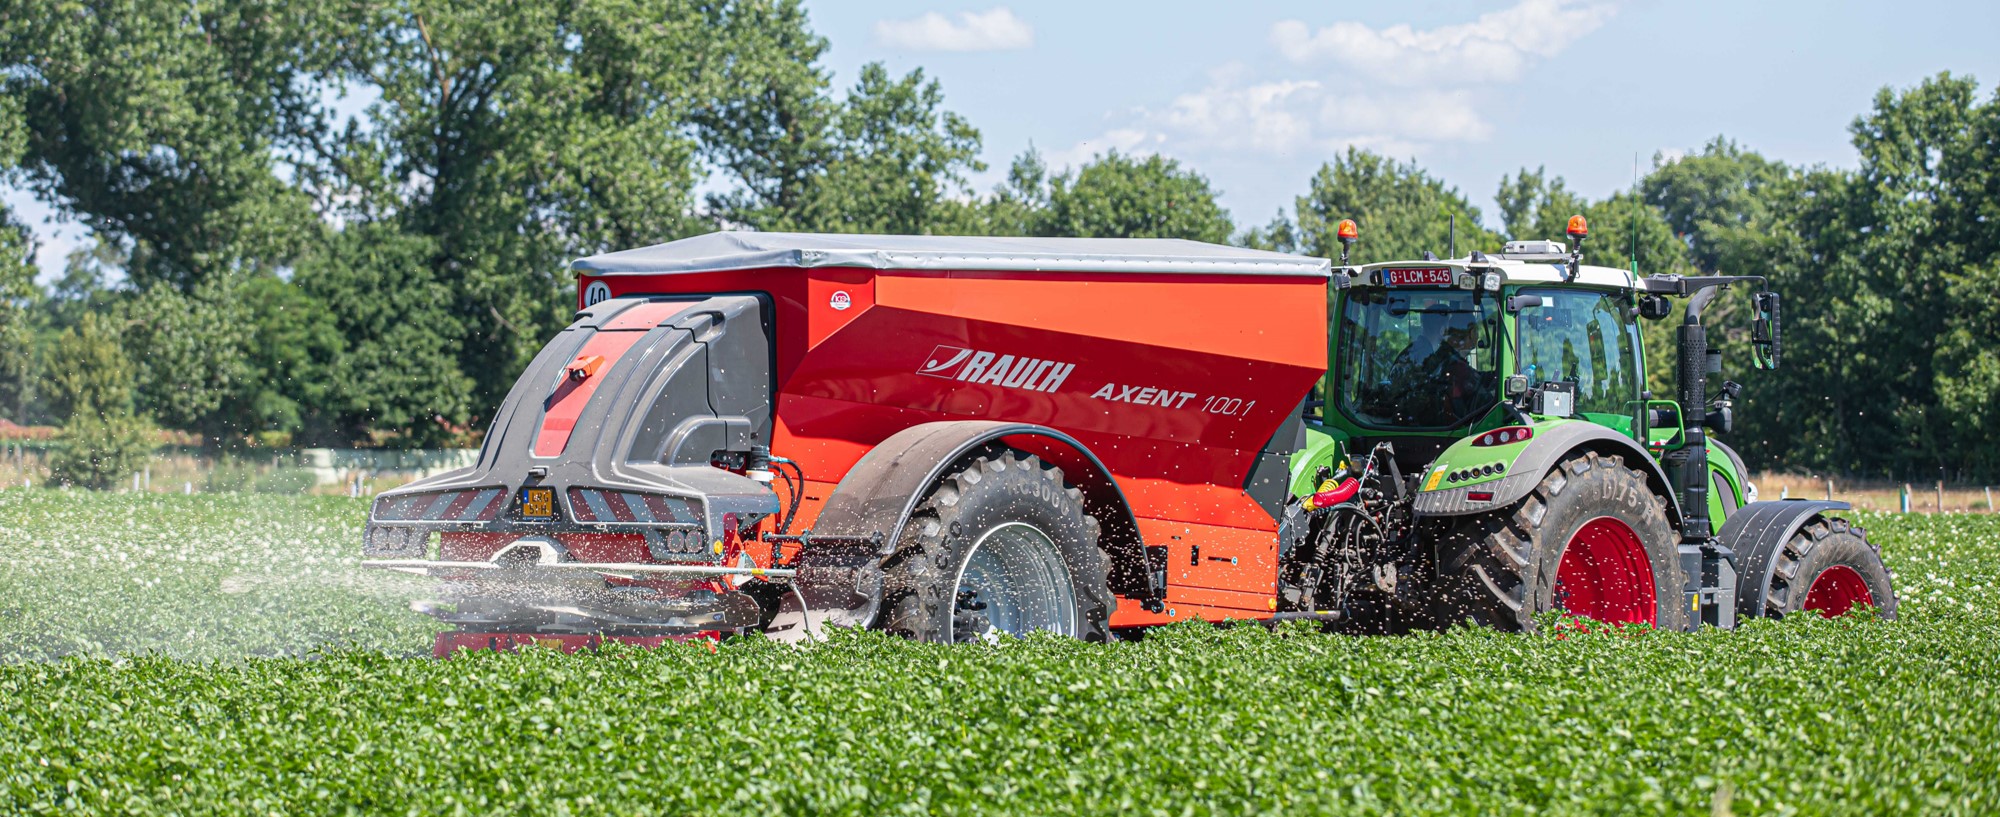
x: 1578, y: 228
x: 1348, y: 234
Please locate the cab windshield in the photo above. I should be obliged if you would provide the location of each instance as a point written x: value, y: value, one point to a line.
x: 1587, y: 339
x: 1417, y: 358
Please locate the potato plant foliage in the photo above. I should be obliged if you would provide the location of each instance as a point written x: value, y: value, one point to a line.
x: 202, y: 655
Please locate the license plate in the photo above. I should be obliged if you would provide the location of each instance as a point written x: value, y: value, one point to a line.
x: 1418, y: 277
x: 538, y: 503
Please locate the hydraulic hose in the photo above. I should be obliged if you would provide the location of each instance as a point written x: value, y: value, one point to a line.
x: 797, y: 490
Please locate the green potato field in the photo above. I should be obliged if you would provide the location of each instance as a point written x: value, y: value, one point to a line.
x: 224, y: 655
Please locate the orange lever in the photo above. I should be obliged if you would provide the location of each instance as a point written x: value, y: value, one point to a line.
x: 582, y: 368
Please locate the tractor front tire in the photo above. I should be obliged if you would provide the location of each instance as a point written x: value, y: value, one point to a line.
x: 1828, y: 567
x: 1002, y: 545
x: 1592, y: 539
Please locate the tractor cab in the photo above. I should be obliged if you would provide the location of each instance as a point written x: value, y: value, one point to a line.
x: 1426, y: 353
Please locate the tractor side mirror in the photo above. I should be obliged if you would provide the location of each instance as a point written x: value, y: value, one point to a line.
x: 1520, y: 302
x: 1764, y: 330
x: 1720, y: 419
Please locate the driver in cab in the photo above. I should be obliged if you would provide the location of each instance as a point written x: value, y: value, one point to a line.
x: 1438, y: 361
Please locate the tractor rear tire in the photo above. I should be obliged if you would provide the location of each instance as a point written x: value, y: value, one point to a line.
x: 1002, y: 545
x: 1827, y: 567
x: 1592, y: 539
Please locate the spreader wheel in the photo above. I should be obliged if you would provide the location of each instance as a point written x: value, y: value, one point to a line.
x: 1592, y: 539
x: 1829, y: 567
x: 1000, y: 546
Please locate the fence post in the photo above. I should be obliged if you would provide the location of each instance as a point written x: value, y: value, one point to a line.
x: 1829, y: 489
x: 1989, y: 499
x: 1940, y: 496
x: 1906, y: 497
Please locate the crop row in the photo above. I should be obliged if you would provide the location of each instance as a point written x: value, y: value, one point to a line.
x: 1802, y: 716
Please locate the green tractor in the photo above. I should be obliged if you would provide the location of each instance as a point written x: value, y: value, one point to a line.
x: 1484, y: 448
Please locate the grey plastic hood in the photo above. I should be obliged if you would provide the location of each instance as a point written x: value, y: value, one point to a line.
x: 690, y: 376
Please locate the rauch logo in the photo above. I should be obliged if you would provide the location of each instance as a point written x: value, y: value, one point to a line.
x: 1009, y: 371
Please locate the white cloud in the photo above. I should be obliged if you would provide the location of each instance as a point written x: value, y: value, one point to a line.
x: 1497, y: 47
x: 1127, y: 141
x: 996, y: 29
x: 1398, y: 89
x: 1235, y: 114
x: 1232, y: 115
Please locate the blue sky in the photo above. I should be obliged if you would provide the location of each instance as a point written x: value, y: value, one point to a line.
x: 1256, y: 95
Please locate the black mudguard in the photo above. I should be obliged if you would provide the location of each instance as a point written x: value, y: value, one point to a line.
x: 1755, y: 532
x: 863, y: 519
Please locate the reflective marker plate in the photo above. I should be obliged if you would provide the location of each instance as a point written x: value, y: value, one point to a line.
x: 538, y: 503
x: 1418, y: 277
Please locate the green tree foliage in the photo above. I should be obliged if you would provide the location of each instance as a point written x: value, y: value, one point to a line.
x: 1112, y: 196
x: 503, y: 138
x: 394, y: 366
x: 1117, y: 196
x: 292, y: 341
x: 18, y: 324
x: 192, y: 353
x: 887, y: 159
x: 100, y: 452
x: 1925, y: 190
x: 157, y: 122
x: 1719, y: 195
x: 514, y: 136
x: 1018, y: 206
x: 161, y: 127
x: 18, y: 292
x: 18, y: 318
x: 1277, y: 235
x: 102, y: 441
x: 770, y: 138
x: 271, y: 266
x: 1401, y: 210
x: 1886, y: 272
x: 898, y: 159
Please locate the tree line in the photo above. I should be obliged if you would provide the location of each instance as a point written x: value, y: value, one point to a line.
x: 348, y: 223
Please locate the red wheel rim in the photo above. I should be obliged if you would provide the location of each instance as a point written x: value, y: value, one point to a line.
x: 1837, y: 590
x: 1605, y: 574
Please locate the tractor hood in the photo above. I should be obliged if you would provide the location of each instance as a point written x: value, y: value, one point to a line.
x: 613, y: 427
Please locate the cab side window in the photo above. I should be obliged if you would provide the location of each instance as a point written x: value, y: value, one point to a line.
x: 1581, y: 337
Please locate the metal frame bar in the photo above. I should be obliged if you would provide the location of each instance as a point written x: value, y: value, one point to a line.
x: 423, y: 567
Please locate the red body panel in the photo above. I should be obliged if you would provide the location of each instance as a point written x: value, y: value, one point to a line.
x: 1174, y: 381
x: 559, y: 417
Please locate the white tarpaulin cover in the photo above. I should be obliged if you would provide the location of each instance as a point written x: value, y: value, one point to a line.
x: 748, y: 250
